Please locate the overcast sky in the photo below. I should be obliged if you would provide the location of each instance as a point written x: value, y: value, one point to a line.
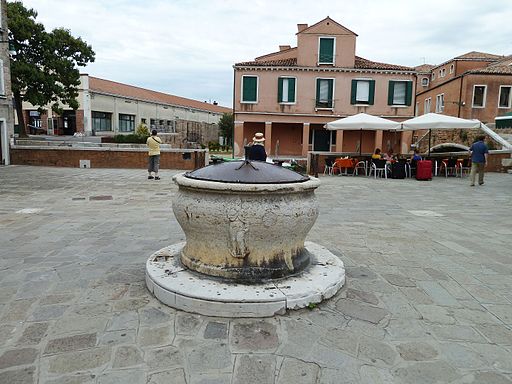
x: 187, y: 48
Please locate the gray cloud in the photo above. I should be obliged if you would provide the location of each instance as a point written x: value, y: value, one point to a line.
x: 188, y: 47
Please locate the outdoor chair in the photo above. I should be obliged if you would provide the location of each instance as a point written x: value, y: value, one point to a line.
x: 378, y: 166
x: 407, y: 167
x: 412, y: 167
x: 465, y: 166
x: 450, y: 167
x: 342, y: 165
x: 329, y: 162
x: 360, y: 165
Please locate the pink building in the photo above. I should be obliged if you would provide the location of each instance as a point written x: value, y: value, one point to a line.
x: 289, y: 95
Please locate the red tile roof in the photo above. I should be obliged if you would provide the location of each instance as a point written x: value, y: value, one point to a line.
x: 478, y: 55
x: 360, y: 63
x: 501, y: 67
x: 368, y: 64
x: 120, y: 89
x: 424, y: 67
x: 270, y: 63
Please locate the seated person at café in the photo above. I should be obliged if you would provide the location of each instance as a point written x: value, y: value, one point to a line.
x: 389, y: 155
x: 376, y: 154
x: 416, y: 156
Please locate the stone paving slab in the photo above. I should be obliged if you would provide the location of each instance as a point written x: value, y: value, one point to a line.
x: 427, y: 297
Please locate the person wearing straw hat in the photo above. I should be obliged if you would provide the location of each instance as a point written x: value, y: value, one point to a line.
x: 257, y: 151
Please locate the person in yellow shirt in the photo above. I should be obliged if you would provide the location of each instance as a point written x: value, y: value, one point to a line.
x: 376, y: 154
x: 153, y: 142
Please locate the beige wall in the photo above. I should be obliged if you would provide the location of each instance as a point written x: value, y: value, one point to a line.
x: 307, y: 43
x: 306, y: 94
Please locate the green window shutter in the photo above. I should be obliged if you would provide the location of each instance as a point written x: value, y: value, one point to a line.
x: 279, y: 89
x: 371, y: 96
x: 317, y: 92
x: 391, y: 91
x: 331, y: 96
x: 326, y: 54
x: 291, y: 90
x: 353, y: 92
x: 250, y: 84
x: 408, y: 93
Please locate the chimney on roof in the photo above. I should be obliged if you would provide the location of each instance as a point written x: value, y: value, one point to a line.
x: 301, y: 27
x: 284, y: 47
x: 215, y: 103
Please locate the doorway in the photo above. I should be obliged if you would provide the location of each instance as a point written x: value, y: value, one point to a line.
x: 321, y: 140
x: 69, y: 123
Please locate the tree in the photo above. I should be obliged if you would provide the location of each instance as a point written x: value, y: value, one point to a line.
x: 226, y: 127
x: 44, y: 66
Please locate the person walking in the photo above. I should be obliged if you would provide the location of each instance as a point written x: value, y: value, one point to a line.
x: 479, y: 153
x: 153, y: 142
x: 257, y: 151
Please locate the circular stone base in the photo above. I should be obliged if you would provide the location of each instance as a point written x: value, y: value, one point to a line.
x: 178, y: 287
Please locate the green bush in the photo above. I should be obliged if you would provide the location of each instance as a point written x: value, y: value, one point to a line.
x: 130, y: 139
x: 213, y: 146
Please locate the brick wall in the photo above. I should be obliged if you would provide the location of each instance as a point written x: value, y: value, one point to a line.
x: 70, y: 157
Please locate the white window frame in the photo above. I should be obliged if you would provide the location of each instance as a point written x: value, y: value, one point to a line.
x: 2, y: 78
x: 367, y: 79
x: 295, y: 96
x: 428, y: 101
x: 473, y: 96
x: 433, y: 76
x: 257, y: 90
x: 452, y: 68
x: 333, y: 93
x: 440, y: 106
x: 509, y: 104
x: 333, y: 50
x: 404, y: 105
x: 417, y: 109
x: 427, y: 80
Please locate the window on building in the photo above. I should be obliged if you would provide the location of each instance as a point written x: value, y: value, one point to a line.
x: 433, y: 76
x: 152, y: 124
x: 426, y: 105
x: 249, y: 89
x: 161, y: 122
x: 101, y: 121
x: 442, y: 72
x: 2, y: 82
x: 417, y: 109
x: 324, y: 93
x: 143, y: 121
x: 286, y: 89
x: 424, y: 81
x: 400, y: 93
x: 126, y: 123
x: 326, y: 50
x: 479, y: 96
x: 452, y: 68
x: 504, y: 100
x: 362, y: 91
x: 440, y: 103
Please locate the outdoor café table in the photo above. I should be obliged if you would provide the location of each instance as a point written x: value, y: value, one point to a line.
x: 343, y: 164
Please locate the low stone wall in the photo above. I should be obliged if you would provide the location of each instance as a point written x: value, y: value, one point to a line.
x: 106, y: 157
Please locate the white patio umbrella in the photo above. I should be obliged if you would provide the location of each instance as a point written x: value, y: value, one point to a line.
x: 437, y: 121
x: 363, y: 121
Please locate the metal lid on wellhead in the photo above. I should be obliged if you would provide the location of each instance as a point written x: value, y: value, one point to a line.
x: 247, y: 172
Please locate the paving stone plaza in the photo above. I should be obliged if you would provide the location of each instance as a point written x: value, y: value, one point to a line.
x: 428, y: 296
